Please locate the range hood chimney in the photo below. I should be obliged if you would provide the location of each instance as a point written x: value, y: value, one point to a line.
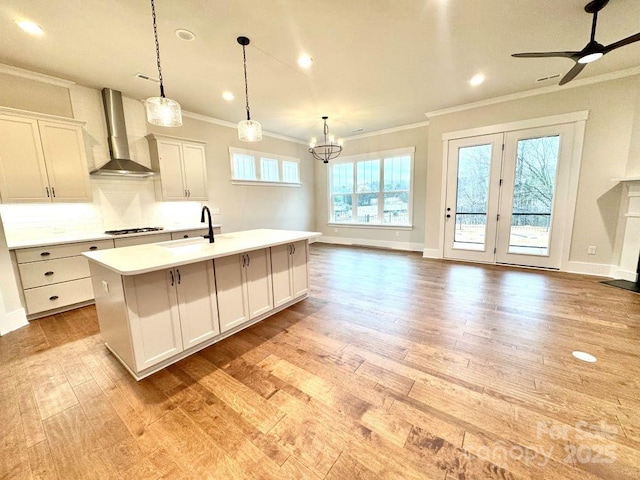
x: 120, y: 164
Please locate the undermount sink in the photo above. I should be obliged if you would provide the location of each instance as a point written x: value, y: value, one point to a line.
x: 184, y: 242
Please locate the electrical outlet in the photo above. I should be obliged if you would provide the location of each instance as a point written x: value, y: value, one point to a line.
x: 397, y: 234
x: 105, y: 286
x: 215, y: 211
x: 591, y: 250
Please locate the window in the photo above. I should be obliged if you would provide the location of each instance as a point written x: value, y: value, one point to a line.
x: 372, y: 189
x: 249, y: 167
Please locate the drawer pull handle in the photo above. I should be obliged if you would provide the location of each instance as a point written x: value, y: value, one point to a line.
x: 93, y: 247
x: 185, y: 236
x: 54, y: 297
x: 48, y: 274
x: 45, y: 254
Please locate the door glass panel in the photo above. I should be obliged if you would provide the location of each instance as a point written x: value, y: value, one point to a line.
x: 472, y: 197
x: 534, y: 188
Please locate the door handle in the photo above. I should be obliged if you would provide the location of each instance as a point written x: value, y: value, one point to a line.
x: 53, y: 190
x: 244, y: 260
x: 45, y: 254
x: 53, y: 297
x: 294, y: 247
x: 248, y: 260
x: 173, y: 280
x: 179, y: 276
x: 93, y: 247
x: 47, y: 190
x: 48, y: 274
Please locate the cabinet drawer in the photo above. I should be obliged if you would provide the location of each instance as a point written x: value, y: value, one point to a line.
x: 141, y: 240
x: 35, y: 254
x: 201, y: 232
x: 191, y: 233
x: 41, y: 299
x: 48, y: 272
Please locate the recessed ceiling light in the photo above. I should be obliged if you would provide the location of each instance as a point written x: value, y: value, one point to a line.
x: 305, y: 60
x: 30, y: 27
x: 185, y: 35
x: 476, y: 80
x: 585, y: 357
x: 228, y: 96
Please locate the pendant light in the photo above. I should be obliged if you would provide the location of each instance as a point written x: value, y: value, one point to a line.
x: 328, y: 149
x: 161, y: 111
x: 248, y: 130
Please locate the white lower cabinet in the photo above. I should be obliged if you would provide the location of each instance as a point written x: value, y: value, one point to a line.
x: 170, y: 311
x: 244, y: 287
x: 289, y: 271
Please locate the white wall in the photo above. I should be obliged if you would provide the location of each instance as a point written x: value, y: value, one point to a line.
x: 12, y: 315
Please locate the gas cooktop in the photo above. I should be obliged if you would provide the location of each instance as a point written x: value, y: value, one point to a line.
x: 125, y: 231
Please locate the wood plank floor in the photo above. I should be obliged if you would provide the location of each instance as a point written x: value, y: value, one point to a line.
x: 394, y: 367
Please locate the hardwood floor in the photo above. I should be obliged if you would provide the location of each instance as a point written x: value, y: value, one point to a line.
x: 394, y: 367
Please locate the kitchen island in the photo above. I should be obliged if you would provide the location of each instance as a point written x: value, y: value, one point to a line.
x: 159, y: 303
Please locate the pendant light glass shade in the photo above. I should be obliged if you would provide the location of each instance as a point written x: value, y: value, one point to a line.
x: 161, y: 111
x: 249, y: 131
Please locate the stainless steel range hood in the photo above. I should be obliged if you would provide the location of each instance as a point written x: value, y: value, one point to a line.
x: 120, y: 164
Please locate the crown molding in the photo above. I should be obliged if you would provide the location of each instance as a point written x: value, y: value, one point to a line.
x: 410, y: 126
x: 224, y: 123
x: 538, y: 91
x: 38, y: 77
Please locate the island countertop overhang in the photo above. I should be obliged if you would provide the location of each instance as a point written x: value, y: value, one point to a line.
x: 141, y: 259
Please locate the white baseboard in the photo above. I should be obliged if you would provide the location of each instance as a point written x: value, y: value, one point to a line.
x: 584, y: 268
x: 431, y: 253
x: 617, y: 272
x: 365, y: 242
x: 13, y: 321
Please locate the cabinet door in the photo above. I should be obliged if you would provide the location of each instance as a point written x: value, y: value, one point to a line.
x: 232, y: 297
x: 154, y: 317
x: 66, y: 162
x: 258, y: 279
x: 170, y: 160
x: 195, y: 171
x: 299, y: 268
x: 281, y: 274
x: 23, y: 176
x: 197, y: 303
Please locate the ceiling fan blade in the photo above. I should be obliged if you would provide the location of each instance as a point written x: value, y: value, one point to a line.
x: 545, y: 54
x: 577, y: 68
x: 622, y: 43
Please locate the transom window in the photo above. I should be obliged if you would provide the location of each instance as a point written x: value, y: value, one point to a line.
x: 372, y: 189
x: 251, y: 167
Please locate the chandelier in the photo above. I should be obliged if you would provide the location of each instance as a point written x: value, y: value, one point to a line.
x: 248, y: 130
x: 329, y: 149
x: 161, y: 111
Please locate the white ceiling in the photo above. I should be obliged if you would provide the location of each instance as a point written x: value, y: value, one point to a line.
x: 377, y: 63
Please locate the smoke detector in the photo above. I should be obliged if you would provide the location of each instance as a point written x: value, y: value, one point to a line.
x: 185, y: 35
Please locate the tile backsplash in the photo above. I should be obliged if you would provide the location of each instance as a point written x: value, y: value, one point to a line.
x: 117, y: 203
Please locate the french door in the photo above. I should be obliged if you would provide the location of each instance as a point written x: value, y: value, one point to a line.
x: 506, y: 196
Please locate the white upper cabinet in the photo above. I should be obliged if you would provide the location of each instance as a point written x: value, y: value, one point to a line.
x: 182, y: 166
x: 42, y: 161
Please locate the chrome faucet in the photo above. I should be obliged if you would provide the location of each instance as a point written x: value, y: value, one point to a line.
x: 210, y: 236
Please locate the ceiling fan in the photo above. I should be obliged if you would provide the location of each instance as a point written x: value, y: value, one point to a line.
x: 591, y: 52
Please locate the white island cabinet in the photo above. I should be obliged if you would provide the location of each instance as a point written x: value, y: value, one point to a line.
x: 161, y: 302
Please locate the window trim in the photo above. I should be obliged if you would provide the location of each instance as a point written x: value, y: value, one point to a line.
x: 381, y: 155
x: 257, y: 156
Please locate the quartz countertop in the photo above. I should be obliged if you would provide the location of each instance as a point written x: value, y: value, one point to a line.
x: 57, y: 239
x: 151, y: 257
